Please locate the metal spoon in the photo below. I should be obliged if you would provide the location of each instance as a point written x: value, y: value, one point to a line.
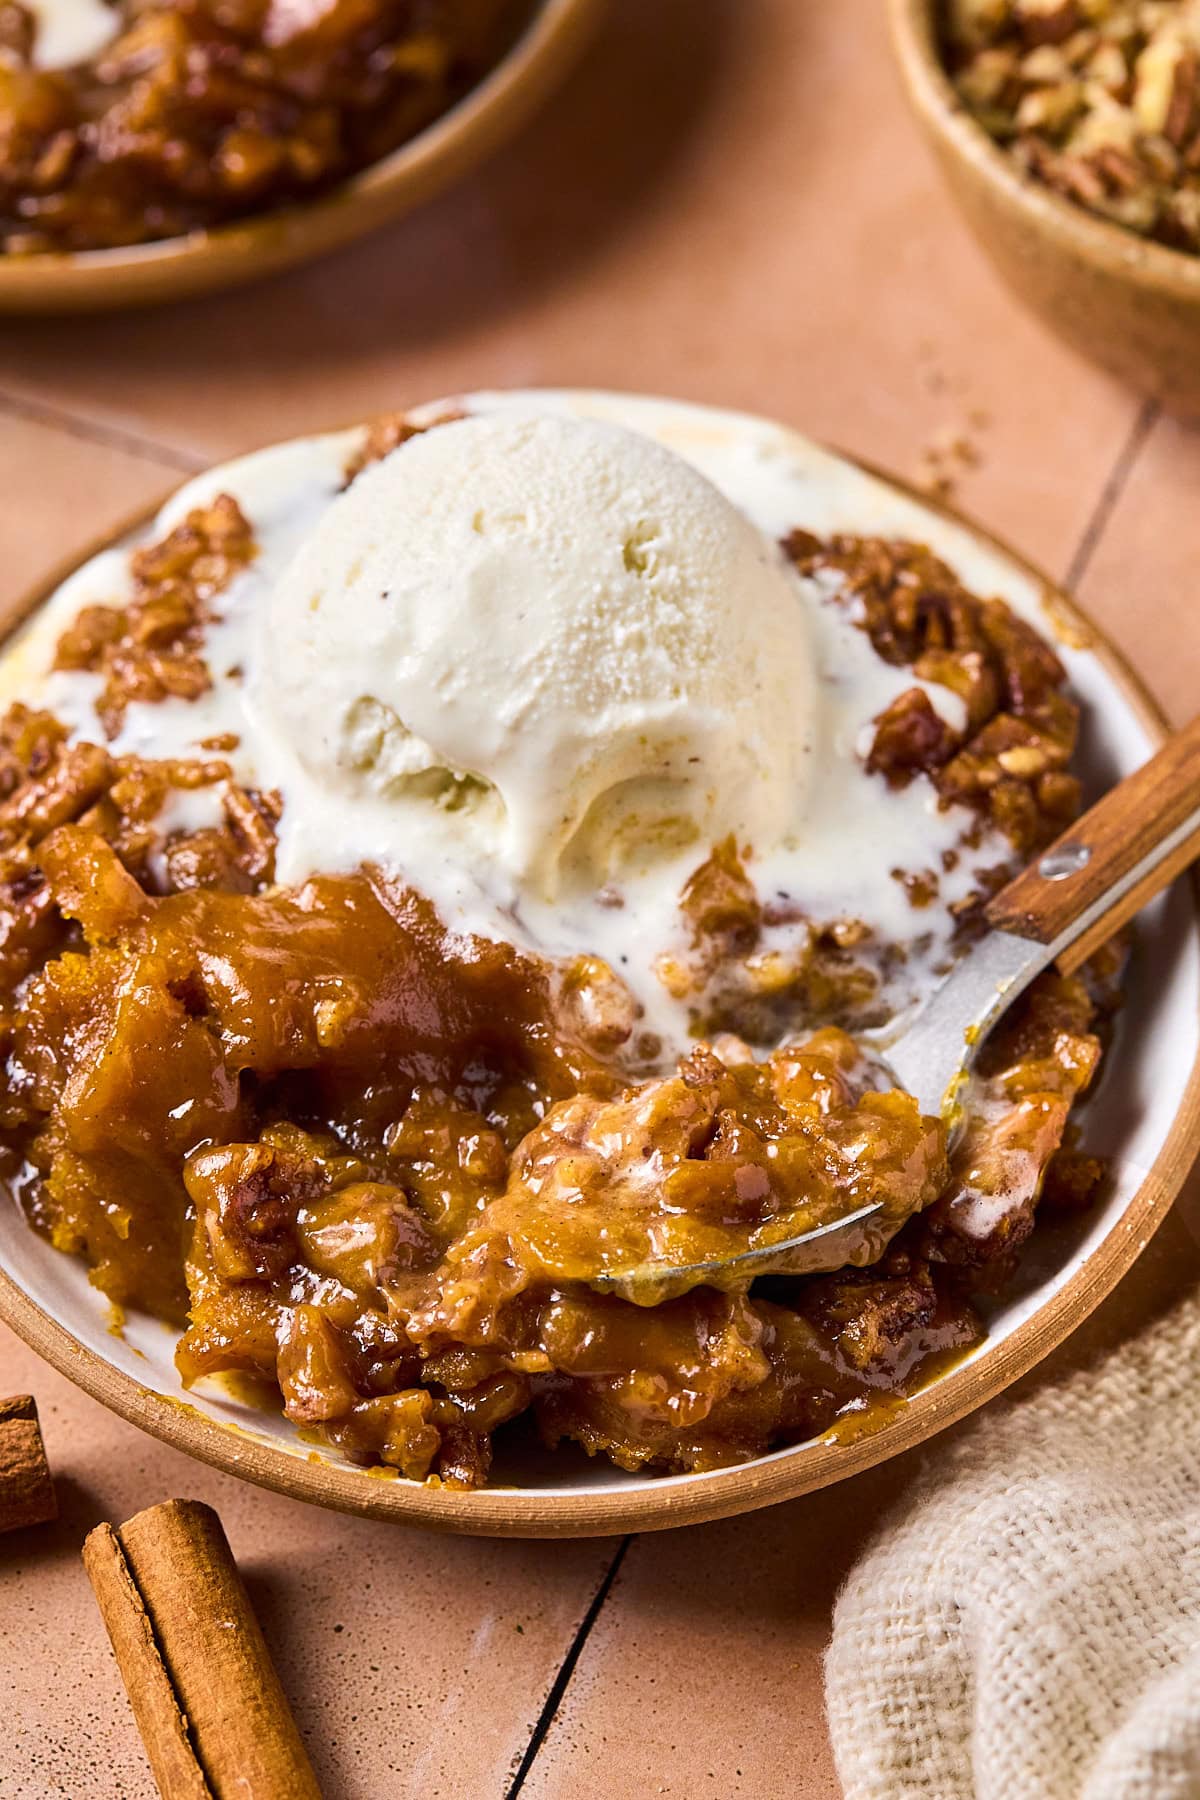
x: 1060, y: 909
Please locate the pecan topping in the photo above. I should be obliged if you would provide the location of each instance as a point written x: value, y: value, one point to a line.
x: 150, y: 648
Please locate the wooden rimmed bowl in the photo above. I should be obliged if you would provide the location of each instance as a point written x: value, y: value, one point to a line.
x: 181, y: 267
x: 1129, y: 304
x: 1146, y: 1119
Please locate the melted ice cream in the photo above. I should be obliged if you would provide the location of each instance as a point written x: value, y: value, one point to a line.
x: 851, y: 830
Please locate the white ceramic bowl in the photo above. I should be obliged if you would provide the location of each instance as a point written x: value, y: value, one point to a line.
x: 1146, y: 1118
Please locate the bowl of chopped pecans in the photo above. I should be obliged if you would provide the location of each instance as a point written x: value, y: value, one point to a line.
x: 1069, y: 133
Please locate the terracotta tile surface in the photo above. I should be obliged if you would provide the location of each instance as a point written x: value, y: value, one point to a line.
x: 1141, y: 581
x: 728, y: 203
x: 416, y: 1664
x: 60, y: 491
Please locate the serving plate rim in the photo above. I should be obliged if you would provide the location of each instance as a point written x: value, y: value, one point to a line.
x: 656, y: 1503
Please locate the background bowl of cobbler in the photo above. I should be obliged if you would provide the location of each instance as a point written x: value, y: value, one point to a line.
x: 176, y: 268
x: 1129, y: 303
x: 1145, y: 1118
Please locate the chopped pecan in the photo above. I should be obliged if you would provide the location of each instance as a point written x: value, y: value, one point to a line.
x: 909, y: 736
x: 247, y: 1197
x: 1010, y: 760
x: 1047, y: 21
x: 149, y: 650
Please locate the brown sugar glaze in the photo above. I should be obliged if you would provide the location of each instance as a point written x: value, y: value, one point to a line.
x: 376, y: 1166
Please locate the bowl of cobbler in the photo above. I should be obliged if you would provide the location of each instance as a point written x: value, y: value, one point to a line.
x: 452, y: 862
x: 1069, y: 133
x: 153, y: 149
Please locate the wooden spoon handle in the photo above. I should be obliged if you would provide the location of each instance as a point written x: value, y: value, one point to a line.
x: 1113, y: 861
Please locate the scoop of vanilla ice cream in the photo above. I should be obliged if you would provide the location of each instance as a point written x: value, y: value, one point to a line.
x: 556, y: 629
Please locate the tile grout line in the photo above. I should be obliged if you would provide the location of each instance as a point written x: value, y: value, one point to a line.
x: 1147, y: 416
x: 554, y: 1698
x: 92, y: 431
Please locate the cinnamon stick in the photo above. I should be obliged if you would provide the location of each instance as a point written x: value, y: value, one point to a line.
x: 208, y: 1703
x: 26, y: 1488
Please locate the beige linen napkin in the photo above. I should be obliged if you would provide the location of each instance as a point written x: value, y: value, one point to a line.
x: 1026, y: 1623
